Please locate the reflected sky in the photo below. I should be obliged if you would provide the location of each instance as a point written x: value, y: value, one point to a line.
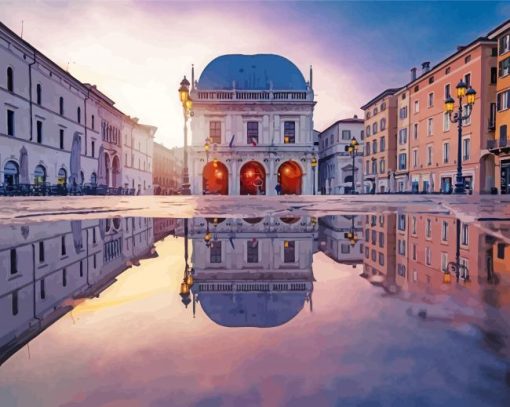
x: 283, y: 311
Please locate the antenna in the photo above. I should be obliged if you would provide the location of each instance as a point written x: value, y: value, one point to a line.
x: 22, y: 23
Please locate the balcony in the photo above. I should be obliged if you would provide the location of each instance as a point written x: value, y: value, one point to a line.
x: 256, y: 95
x: 499, y: 144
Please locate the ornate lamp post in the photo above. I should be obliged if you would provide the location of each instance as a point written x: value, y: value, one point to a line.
x: 351, y: 235
x: 313, y: 163
x: 352, y: 149
x: 455, y: 267
x: 187, y: 281
x: 187, y: 104
x: 458, y: 118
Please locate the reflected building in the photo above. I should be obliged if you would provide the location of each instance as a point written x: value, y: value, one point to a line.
x: 45, y: 270
x: 340, y: 238
x: 253, y: 272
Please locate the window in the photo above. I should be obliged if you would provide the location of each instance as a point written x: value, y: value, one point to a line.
x: 492, y: 116
x: 401, y: 270
x: 374, y: 237
x: 10, y: 123
x: 431, y: 80
x: 61, y: 139
x: 368, y: 115
x: 93, y: 148
x: 93, y: 122
x: 466, y: 149
x: 367, y: 131
x: 382, y: 144
x: 374, y: 146
x: 14, y: 261
x: 413, y: 225
x: 415, y: 131
x: 504, y: 67
x: 503, y: 100
x: 374, y: 255
x: 447, y: 93
x: 501, y: 251
x: 447, y: 71
x: 416, y: 106
x: 215, y: 132
x: 401, y: 224
x: 430, y: 126
x: 428, y: 228
x: 383, y: 106
x: 381, y: 259
x: 504, y: 44
x: 428, y: 256
x: 61, y: 105
x: 403, y: 112
x: 464, y: 234
x: 374, y: 128
x: 429, y: 155
x: 467, y: 79
x: 444, y: 262
x: 415, y: 158
x: 289, y: 251
x: 289, y: 132
x: 446, y: 152
x: 382, y: 166
x: 41, y: 252
x: 402, y: 136
x: 494, y: 75
x: 375, y: 111
x: 215, y: 252
x: 431, y: 100
x: 446, y: 121
x: 401, y: 247
x: 367, y: 149
x: 402, y: 161
x: 10, y: 79
x: 374, y: 167
x: 444, y: 231
x: 345, y: 248
x: 346, y: 134
x: 14, y: 304
x: 252, y: 251
x: 368, y: 166
x: 465, y: 112
x: 381, y: 239
x: 43, y: 289
x: 78, y: 115
x: 94, y: 235
x: 38, y: 93
x: 367, y: 252
x: 414, y: 252
x: 467, y: 59
x: 252, y: 133
x: 39, y: 131
x: 63, y: 245
x: 382, y: 124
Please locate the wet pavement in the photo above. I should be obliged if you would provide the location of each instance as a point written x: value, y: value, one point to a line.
x: 297, y: 302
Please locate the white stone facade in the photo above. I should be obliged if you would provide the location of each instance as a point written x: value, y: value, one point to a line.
x: 335, y: 164
x: 260, y: 134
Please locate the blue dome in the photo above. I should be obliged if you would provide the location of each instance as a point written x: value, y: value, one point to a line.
x: 261, y: 310
x: 251, y: 72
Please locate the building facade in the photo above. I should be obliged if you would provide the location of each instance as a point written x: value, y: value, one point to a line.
x: 336, y: 242
x: 167, y: 171
x: 256, y: 114
x: 57, y: 130
x: 499, y: 117
x: 335, y: 163
x: 380, y: 142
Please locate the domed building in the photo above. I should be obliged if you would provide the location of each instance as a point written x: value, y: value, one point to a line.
x: 253, y: 272
x: 252, y: 128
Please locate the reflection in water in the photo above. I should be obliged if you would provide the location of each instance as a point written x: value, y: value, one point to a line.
x: 396, y: 295
x: 48, y: 268
x: 254, y: 272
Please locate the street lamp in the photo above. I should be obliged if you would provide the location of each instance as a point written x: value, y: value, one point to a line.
x: 187, y: 104
x: 470, y: 95
x: 352, y: 149
x: 455, y: 266
x: 351, y: 235
x: 313, y: 163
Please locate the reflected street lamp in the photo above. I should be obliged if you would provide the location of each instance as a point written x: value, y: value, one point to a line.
x: 352, y: 149
x: 187, y: 104
x: 459, y: 117
x: 313, y: 163
x: 351, y: 235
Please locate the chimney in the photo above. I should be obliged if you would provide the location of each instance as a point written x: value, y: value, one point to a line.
x: 355, y: 116
x: 425, y: 67
x: 460, y: 47
x: 413, y: 74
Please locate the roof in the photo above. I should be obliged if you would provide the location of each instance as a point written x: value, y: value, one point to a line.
x: 345, y: 121
x: 252, y: 309
x: 252, y: 72
x: 383, y: 94
x: 499, y: 29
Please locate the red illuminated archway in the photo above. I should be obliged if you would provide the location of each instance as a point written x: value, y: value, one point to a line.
x: 290, y: 177
x: 215, y: 178
x: 252, y: 179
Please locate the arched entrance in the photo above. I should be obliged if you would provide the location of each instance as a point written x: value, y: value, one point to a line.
x: 93, y: 178
x: 115, y: 172
x: 11, y: 173
x: 252, y: 179
x: 107, y: 169
x: 62, y: 177
x: 39, y: 175
x: 215, y: 178
x: 290, y: 177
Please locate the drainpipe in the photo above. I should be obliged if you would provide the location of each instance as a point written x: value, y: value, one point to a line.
x: 30, y: 96
x: 34, y: 284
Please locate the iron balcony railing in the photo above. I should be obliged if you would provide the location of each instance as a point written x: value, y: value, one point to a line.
x: 265, y: 95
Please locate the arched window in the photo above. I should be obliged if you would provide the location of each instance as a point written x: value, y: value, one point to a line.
x: 61, y: 105
x: 374, y: 128
x: 39, y: 93
x: 93, y: 122
x: 78, y: 115
x: 93, y: 178
x: 39, y: 175
x: 11, y: 173
x: 10, y: 79
x: 383, y: 124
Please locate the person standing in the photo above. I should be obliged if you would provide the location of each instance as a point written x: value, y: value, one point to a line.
x: 278, y: 189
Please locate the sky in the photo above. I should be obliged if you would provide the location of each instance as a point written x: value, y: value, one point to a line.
x: 137, y: 52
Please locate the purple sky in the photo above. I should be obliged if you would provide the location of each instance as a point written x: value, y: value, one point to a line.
x: 137, y: 51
